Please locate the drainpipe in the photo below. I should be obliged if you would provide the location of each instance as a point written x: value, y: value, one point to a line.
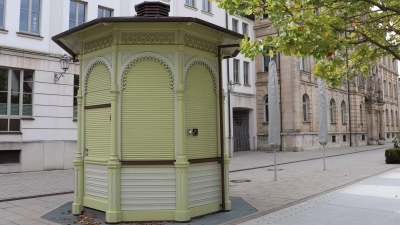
x: 221, y: 122
x: 229, y: 95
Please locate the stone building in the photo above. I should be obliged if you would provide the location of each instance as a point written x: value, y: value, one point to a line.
x: 373, y: 104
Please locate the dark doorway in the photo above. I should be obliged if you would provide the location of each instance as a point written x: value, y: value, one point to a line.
x: 241, y: 137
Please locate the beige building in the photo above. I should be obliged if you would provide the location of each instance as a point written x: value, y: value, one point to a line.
x: 373, y: 104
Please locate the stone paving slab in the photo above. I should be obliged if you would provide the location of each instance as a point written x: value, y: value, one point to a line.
x: 17, y: 185
x: 368, y: 202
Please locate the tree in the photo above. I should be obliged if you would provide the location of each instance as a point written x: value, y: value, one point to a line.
x: 329, y: 30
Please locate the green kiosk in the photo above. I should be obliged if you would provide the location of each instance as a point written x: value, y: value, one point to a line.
x: 150, y: 115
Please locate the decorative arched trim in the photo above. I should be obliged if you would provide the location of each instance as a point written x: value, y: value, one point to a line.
x: 90, y: 64
x: 200, y: 61
x: 146, y: 56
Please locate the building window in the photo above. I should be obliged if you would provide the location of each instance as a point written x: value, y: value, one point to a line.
x: 245, y: 28
x: 343, y: 112
x: 189, y: 2
x: 235, y: 25
x: 266, y: 113
x: 333, y: 138
x: 305, y: 108
x: 207, y: 6
x: 303, y: 65
x: 361, y: 116
x: 363, y: 137
x: 10, y: 156
x: 15, y: 97
x: 236, y: 70
x: 392, y: 118
x: 266, y: 60
x: 384, y: 88
x: 104, y: 12
x: 264, y: 16
x: 76, y: 88
x: 332, y: 110
x: 387, y: 135
x: 389, y: 91
x: 246, y: 73
x: 397, y: 119
x: 29, y: 17
x: 2, y: 14
x: 387, y: 117
x: 76, y: 13
x: 344, y: 138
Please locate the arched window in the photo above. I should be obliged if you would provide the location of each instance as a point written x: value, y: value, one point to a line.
x: 343, y: 111
x: 396, y: 119
x: 332, y: 110
x: 306, y: 103
x: 392, y: 118
x: 387, y: 117
x: 266, y: 115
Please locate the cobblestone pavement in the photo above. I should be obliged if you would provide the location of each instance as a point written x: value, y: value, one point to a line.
x: 303, y: 180
x: 16, y: 185
x: 368, y: 202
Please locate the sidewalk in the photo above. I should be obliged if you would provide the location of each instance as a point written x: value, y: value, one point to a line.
x: 301, y: 181
x: 369, y: 202
x: 252, y: 159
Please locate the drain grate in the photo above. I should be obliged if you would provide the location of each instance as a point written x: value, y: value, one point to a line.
x: 273, y: 169
x: 240, y: 181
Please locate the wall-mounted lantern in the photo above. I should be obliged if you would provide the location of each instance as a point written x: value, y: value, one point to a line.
x: 65, y: 61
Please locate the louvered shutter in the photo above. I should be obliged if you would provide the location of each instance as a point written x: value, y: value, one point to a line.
x: 97, y: 120
x: 148, y: 113
x: 201, y: 113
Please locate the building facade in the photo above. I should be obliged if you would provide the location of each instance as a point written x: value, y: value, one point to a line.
x: 38, y: 115
x: 372, y: 101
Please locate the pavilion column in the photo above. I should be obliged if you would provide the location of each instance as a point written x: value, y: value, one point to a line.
x: 77, y: 206
x: 382, y: 121
x: 182, y: 212
x: 113, y: 213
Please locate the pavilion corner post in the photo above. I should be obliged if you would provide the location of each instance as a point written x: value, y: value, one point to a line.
x: 113, y: 213
x: 221, y: 125
x: 77, y: 206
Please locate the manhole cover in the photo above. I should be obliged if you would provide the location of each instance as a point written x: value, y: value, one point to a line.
x: 274, y: 170
x: 240, y: 181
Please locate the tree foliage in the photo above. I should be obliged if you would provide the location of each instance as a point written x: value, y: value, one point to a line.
x: 329, y: 30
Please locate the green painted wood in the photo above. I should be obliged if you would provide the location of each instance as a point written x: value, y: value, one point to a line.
x: 147, y: 113
x: 201, y: 113
x: 97, y: 121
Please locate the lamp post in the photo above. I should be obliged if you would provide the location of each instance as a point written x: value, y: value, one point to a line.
x: 231, y: 86
x: 65, y: 61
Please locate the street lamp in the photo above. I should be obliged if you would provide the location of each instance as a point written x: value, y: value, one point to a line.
x: 65, y: 61
x: 231, y: 86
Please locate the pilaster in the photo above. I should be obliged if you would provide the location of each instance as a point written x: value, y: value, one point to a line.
x: 77, y: 206
x: 113, y: 213
x: 382, y: 121
x: 182, y: 212
x: 371, y: 126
